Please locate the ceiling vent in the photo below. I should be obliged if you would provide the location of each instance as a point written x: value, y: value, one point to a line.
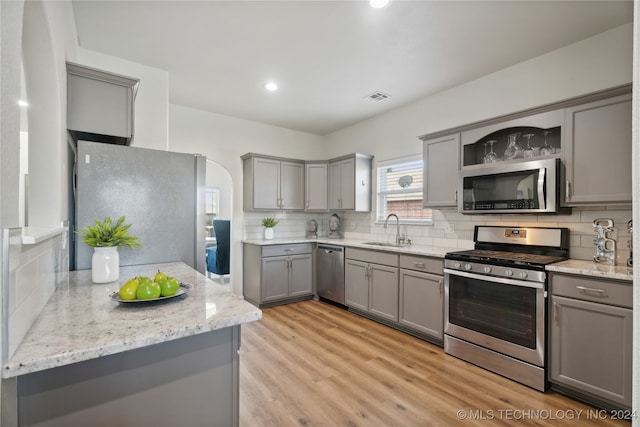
x: 377, y: 96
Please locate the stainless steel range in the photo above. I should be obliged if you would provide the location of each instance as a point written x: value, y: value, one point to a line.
x: 495, y: 300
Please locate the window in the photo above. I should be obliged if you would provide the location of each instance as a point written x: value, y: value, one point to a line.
x: 400, y: 190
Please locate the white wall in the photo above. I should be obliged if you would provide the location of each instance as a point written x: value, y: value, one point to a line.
x: 224, y: 139
x: 219, y: 177
x: 593, y: 64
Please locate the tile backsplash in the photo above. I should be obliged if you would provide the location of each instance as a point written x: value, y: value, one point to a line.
x: 450, y: 228
x: 33, y: 271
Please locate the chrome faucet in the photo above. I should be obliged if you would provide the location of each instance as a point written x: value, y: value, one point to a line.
x: 399, y: 239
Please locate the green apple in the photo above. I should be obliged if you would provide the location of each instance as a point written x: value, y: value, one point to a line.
x: 148, y: 289
x: 169, y: 286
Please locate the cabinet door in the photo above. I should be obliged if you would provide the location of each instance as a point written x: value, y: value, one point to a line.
x: 266, y: 183
x: 441, y: 165
x: 383, y: 291
x: 591, y: 348
x: 598, y: 155
x: 356, y: 284
x: 300, y: 279
x: 275, y: 278
x: 291, y: 185
x: 316, y: 187
x: 348, y: 184
x: 335, y: 185
x: 421, y: 302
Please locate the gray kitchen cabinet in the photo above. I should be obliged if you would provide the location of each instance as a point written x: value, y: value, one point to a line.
x: 316, y: 186
x: 421, y: 295
x: 441, y: 165
x: 100, y: 105
x: 272, y: 183
x: 590, y: 339
x: 350, y: 182
x: 275, y: 274
x: 371, y: 282
x: 598, y: 152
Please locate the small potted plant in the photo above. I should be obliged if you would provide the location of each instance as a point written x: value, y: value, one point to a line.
x: 106, y: 237
x: 268, y: 224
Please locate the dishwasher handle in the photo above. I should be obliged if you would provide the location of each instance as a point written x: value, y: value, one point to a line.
x: 330, y: 249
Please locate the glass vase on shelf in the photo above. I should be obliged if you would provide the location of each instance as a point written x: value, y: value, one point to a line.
x: 546, y: 149
x: 528, y: 152
x: 491, y: 156
x: 513, y: 150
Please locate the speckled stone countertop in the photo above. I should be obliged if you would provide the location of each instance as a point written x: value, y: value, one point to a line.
x: 590, y: 268
x: 433, y: 251
x: 82, y: 322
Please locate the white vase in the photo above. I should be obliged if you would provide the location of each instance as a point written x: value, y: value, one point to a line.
x: 105, y: 265
x: 268, y: 233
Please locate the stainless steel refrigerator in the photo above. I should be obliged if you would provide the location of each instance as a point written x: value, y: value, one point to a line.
x: 159, y: 192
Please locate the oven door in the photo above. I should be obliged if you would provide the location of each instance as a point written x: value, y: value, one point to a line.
x: 504, y: 315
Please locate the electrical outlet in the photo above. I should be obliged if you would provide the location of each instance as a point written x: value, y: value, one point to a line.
x: 449, y: 228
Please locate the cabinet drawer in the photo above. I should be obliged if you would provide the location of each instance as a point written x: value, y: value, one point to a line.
x: 603, y: 291
x: 280, y: 250
x: 428, y: 265
x: 375, y: 257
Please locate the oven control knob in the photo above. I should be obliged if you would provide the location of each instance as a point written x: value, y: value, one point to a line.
x: 456, y: 264
x: 486, y: 269
x: 467, y: 266
x: 523, y: 274
x: 508, y: 272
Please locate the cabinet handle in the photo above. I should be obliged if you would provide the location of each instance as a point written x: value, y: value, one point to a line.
x: 586, y: 290
x: 419, y: 265
x: 288, y: 250
x: 555, y: 312
x: 568, y: 189
x: 455, y: 196
x: 441, y: 283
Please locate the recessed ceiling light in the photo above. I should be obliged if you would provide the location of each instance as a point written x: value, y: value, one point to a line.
x: 23, y: 103
x: 378, y: 4
x: 271, y: 87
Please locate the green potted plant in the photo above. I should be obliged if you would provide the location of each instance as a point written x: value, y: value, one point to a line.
x: 106, y: 237
x: 268, y: 224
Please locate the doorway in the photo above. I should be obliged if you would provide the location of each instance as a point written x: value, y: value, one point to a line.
x: 218, y: 209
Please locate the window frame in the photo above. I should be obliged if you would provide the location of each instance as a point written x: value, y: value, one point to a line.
x: 381, y: 213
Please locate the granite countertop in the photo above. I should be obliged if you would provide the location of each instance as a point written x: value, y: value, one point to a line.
x: 420, y: 250
x: 571, y: 266
x: 82, y: 322
x: 590, y: 268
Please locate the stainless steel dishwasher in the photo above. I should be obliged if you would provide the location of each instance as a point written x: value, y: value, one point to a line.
x: 330, y: 272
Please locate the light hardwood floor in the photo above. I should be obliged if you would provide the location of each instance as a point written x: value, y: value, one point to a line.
x: 313, y: 364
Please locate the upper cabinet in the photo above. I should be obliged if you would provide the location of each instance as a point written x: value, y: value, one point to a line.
x: 272, y: 184
x: 591, y: 135
x: 598, y: 152
x: 100, y: 105
x: 316, y: 182
x: 441, y: 164
x: 350, y: 182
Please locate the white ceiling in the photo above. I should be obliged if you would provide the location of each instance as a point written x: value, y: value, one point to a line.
x: 327, y: 56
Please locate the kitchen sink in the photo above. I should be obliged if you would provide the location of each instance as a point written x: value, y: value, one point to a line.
x: 392, y: 245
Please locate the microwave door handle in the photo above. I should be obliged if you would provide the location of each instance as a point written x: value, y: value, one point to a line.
x: 541, y: 181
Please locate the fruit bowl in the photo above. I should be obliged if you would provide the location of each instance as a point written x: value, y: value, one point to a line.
x: 183, y: 290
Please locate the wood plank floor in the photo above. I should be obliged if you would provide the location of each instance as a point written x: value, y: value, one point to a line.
x: 313, y: 364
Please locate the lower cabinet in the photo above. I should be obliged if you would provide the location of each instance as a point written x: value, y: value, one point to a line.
x: 421, y: 303
x: 274, y: 274
x: 372, y: 287
x: 403, y: 291
x: 590, y: 330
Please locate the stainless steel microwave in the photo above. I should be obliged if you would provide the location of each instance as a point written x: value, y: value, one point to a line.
x: 531, y: 186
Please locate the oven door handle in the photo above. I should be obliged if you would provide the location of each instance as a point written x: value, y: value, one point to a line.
x: 502, y: 280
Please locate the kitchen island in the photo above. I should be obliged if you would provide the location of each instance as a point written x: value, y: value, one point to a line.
x: 89, y: 360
